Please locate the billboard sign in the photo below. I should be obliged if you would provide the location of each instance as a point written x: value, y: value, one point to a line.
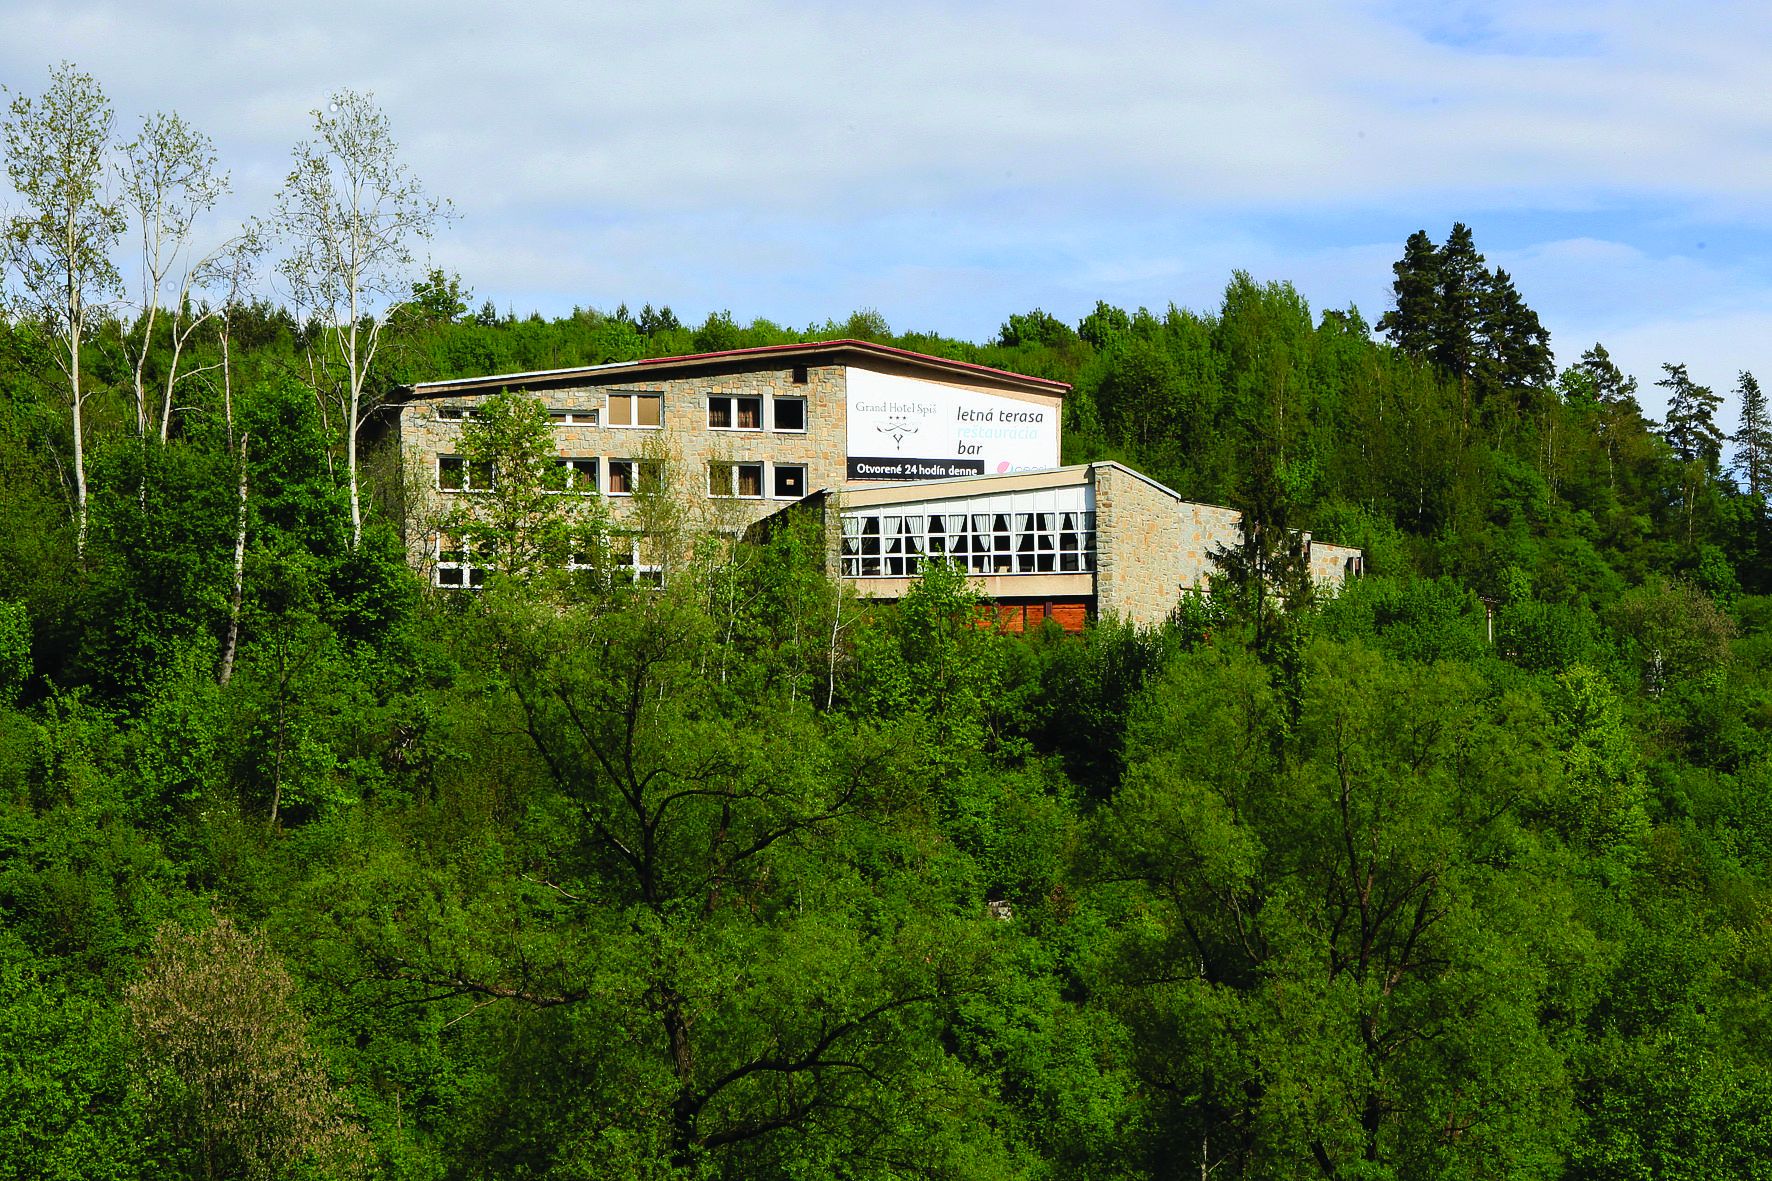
x: 904, y: 428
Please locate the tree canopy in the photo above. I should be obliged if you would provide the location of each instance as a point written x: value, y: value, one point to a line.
x: 310, y: 869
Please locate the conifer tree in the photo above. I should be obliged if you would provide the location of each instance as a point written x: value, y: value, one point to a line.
x: 1603, y: 382
x: 1411, y: 324
x: 1753, y: 439
x: 1468, y: 320
x: 1464, y: 284
x: 1515, y: 348
x: 1690, y: 426
x: 1596, y: 380
x: 1690, y: 429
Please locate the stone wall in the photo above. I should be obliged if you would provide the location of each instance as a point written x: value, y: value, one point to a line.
x: 1150, y: 544
x: 1332, y: 565
x: 683, y: 437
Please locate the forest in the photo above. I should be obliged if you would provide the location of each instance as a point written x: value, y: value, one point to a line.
x: 309, y: 869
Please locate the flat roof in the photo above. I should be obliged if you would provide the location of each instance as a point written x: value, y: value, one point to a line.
x: 773, y: 355
x: 871, y: 492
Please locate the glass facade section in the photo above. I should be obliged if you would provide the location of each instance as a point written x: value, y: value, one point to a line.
x: 1049, y: 531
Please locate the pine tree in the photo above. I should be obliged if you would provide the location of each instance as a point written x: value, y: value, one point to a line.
x: 1753, y: 439
x: 1411, y: 324
x: 1514, y: 346
x: 1604, y: 382
x: 1690, y: 426
x: 1690, y: 429
x: 1467, y: 320
x: 1598, y: 382
x: 1464, y: 284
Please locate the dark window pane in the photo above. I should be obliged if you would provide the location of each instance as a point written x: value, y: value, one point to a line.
x: 790, y: 414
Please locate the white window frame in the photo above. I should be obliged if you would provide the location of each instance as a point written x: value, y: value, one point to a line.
x: 467, y: 470
x: 775, y: 493
x: 580, y: 463
x: 574, y: 417
x: 635, y: 471
x: 649, y: 573
x: 472, y: 574
x: 1040, y: 533
x: 632, y: 399
x: 730, y: 404
x: 734, y: 469
x: 805, y: 411
x: 457, y: 413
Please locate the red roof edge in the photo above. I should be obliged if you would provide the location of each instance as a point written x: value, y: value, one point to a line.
x: 865, y: 346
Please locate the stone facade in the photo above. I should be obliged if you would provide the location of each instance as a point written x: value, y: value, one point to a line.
x: 1332, y: 565
x: 761, y: 464
x: 682, y: 440
x: 742, y: 436
x: 1152, y: 544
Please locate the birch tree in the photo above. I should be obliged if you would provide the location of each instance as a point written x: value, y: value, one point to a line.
x: 58, y: 244
x: 169, y: 181
x: 230, y: 271
x: 350, y: 212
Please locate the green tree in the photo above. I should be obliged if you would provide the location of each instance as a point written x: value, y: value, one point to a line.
x: 15, y: 650
x: 1689, y: 425
x: 59, y: 246
x: 1036, y: 328
x: 1595, y: 382
x: 1322, y: 943
x: 1141, y: 399
x: 1413, y: 322
x: 1671, y: 631
x: 1463, y: 288
x: 349, y: 212
x: 534, y: 519
x: 690, y: 904
x: 169, y: 181
x: 1691, y: 431
x: 1103, y: 326
x: 1753, y: 438
x: 1515, y: 347
x: 1265, y: 578
x: 1468, y: 320
x: 1602, y: 804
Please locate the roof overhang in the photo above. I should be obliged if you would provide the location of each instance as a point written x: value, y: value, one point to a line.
x: 861, y: 353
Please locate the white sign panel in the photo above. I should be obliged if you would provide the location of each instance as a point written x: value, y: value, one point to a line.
x: 903, y: 428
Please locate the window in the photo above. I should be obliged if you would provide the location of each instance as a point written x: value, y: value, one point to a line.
x: 579, y: 475
x: 573, y: 417
x: 731, y: 413
x: 878, y: 544
x: 790, y: 481
x: 735, y: 479
x: 636, y: 409
x: 457, y: 413
x: 626, y: 476
x: 455, y: 474
x: 790, y: 414
x: 626, y: 550
x: 462, y: 562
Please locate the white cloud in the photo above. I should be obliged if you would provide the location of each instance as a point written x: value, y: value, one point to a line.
x: 951, y: 164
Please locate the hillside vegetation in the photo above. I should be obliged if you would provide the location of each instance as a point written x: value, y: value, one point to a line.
x: 1464, y: 872
x: 310, y: 870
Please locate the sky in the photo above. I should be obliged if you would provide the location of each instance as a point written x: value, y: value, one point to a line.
x: 951, y: 164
